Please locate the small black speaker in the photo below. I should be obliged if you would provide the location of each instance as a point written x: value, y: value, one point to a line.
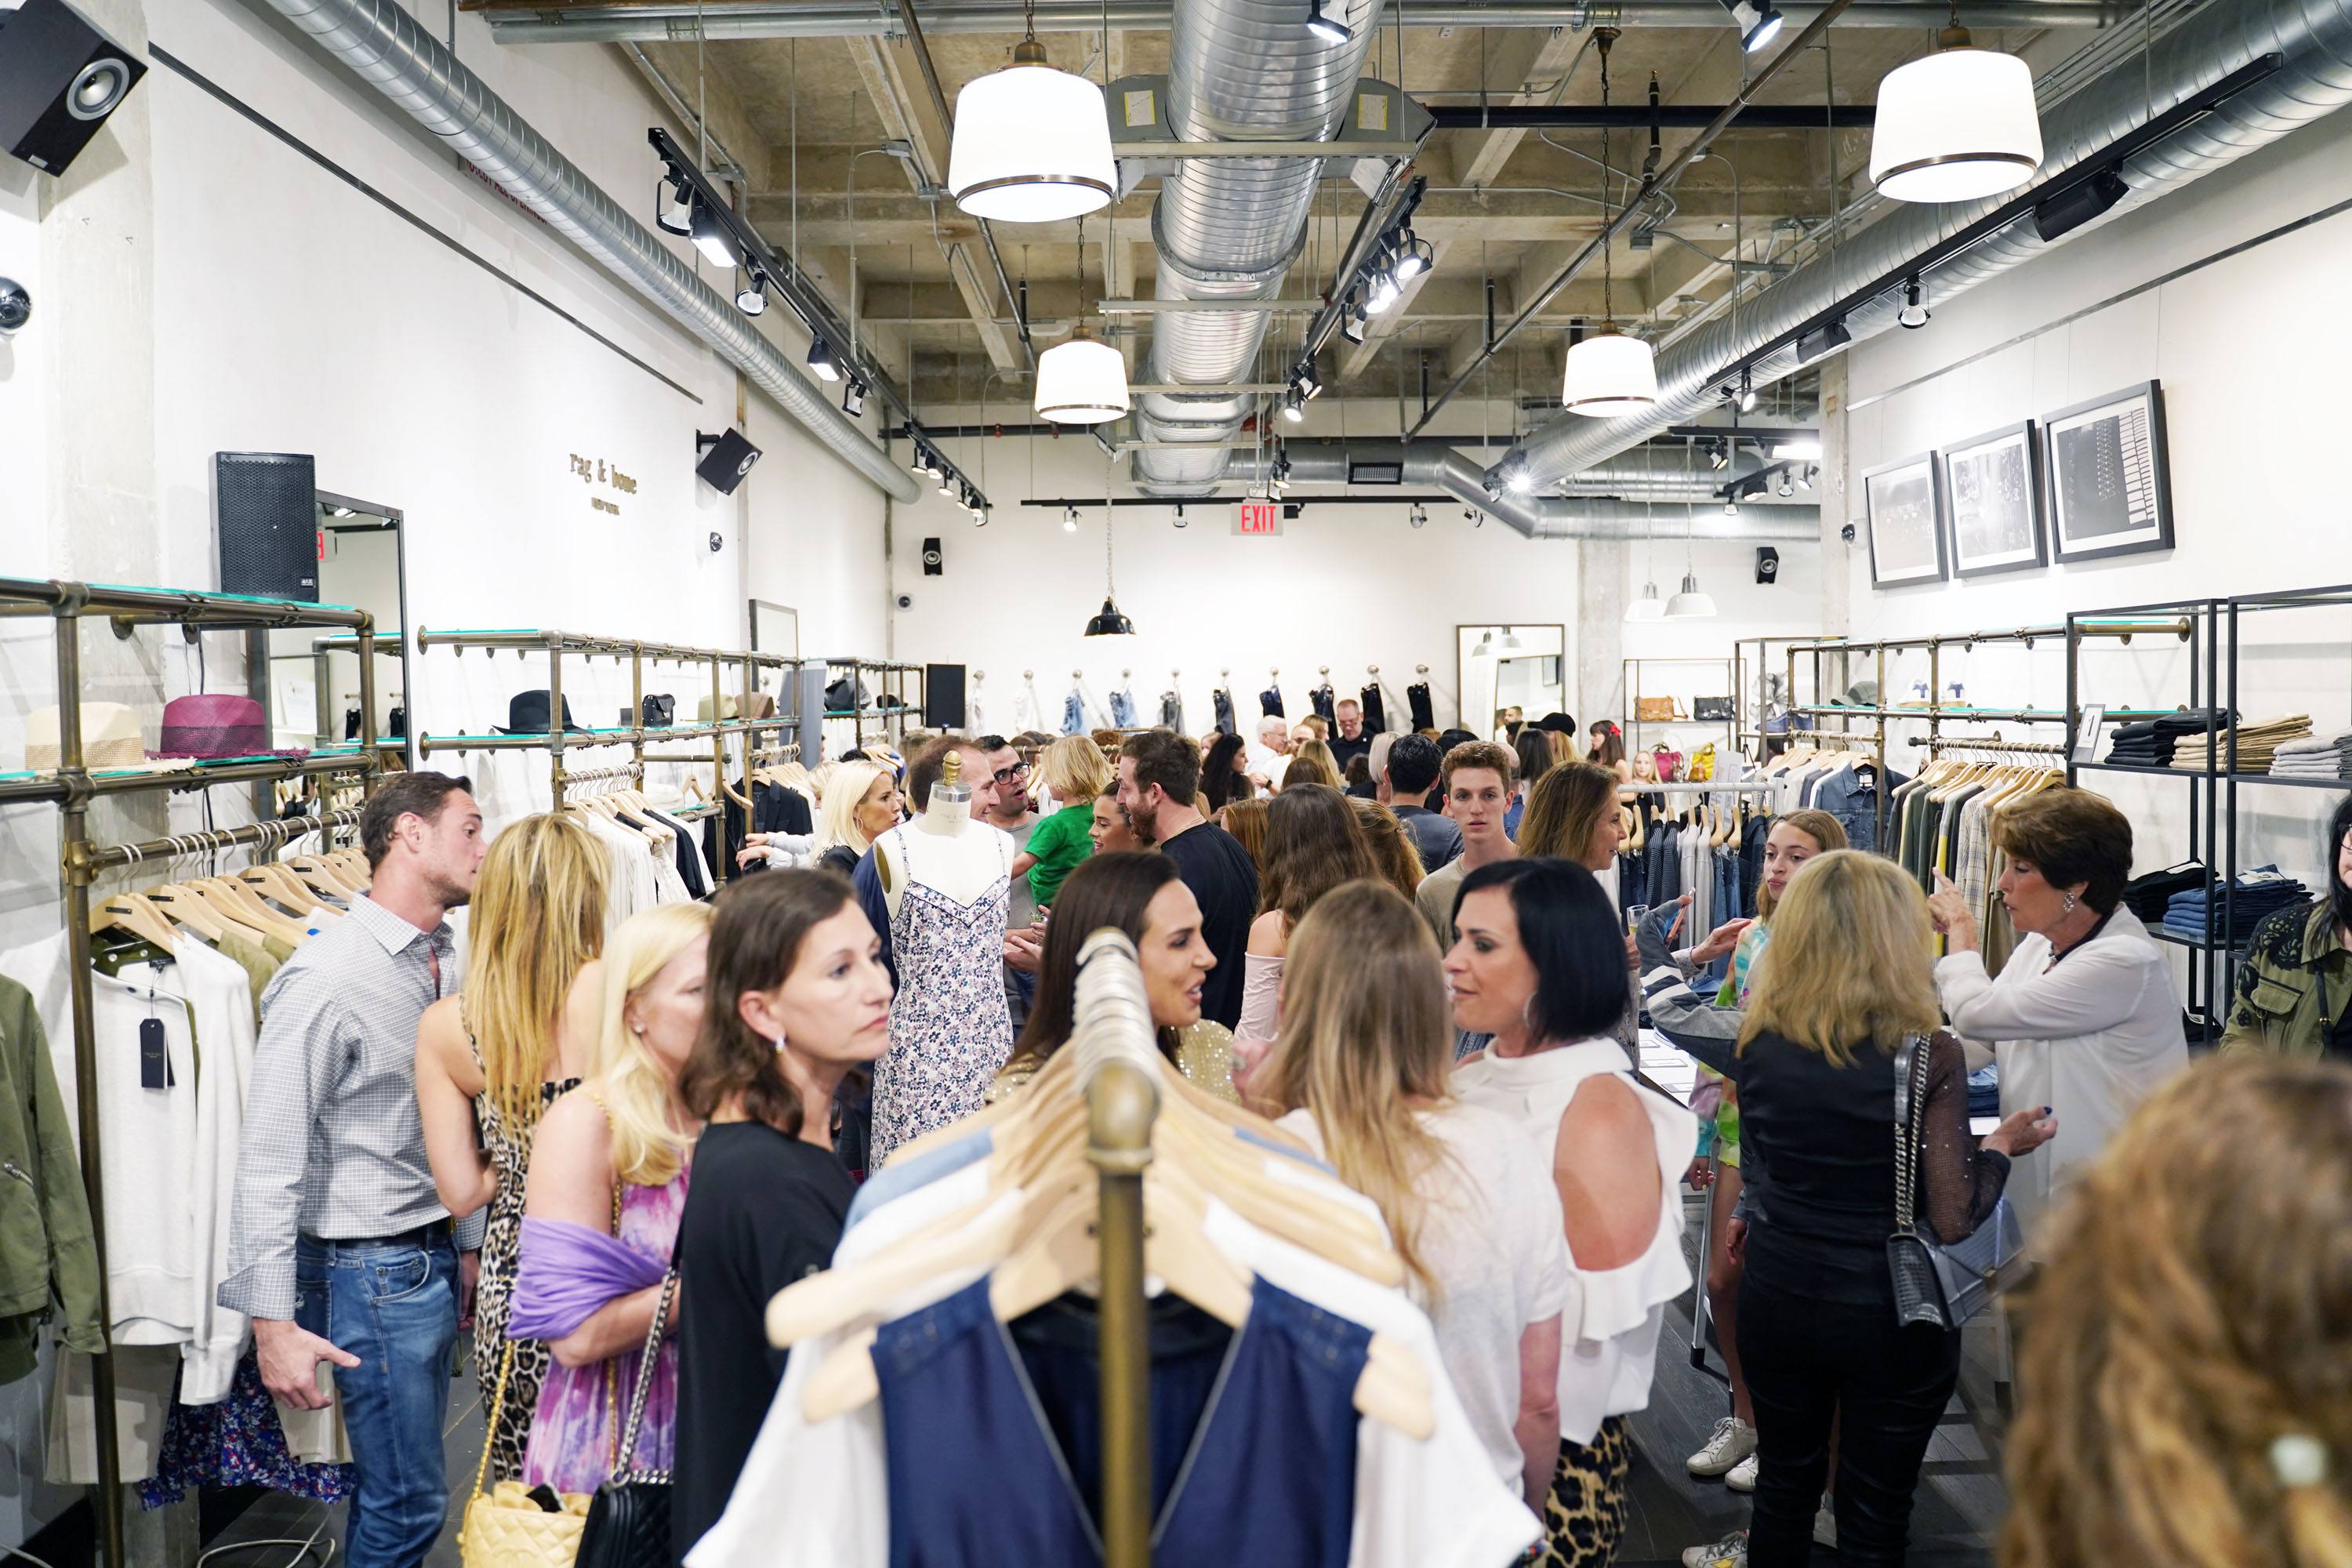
x: 1768, y: 564
x: 60, y: 79
x: 934, y: 564
x: 730, y: 459
x: 943, y: 696
x: 265, y: 505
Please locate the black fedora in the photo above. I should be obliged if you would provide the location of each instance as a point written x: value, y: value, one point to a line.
x: 527, y: 714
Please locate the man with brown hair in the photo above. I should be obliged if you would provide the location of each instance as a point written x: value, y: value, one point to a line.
x: 1159, y: 789
x: 1477, y: 776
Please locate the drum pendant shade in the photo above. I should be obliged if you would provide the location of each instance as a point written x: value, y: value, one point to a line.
x: 1032, y: 145
x: 1081, y: 382
x: 1957, y: 126
x: 1610, y: 374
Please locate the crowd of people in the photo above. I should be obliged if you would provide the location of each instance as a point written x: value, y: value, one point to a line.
x: 608, y: 1151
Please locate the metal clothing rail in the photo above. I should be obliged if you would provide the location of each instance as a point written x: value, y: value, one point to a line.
x: 73, y: 787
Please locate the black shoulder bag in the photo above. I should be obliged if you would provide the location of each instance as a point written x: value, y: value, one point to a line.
x: 628, y: 1522
x: 1941, y: 1286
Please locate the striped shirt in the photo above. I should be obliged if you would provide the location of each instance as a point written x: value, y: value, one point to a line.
x: 333, y: 1145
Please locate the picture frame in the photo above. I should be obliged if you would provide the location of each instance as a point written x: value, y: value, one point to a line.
x: 1993, y: 498
x: 1903, y: 503
x: 2106, y: 474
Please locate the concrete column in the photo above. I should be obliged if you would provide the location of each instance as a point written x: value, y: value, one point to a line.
x: 1604, y: 568
x: 1840, y: 495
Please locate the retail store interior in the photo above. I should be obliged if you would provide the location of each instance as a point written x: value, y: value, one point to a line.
x: 659, y: 399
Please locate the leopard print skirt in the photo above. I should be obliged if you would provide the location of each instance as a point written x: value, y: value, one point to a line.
x: 493, y: 1295
x: 1585, y: 1513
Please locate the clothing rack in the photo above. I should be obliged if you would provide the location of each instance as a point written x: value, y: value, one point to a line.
x: 73, y: 787
x: 748, y: 663
x: 889, y: 703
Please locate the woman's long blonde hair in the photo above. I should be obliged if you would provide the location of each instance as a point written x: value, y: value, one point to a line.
x: 537, y: 916
x: 1565, y: 809
x: 1245, y: 820
x: 2193, y: 1306
x: 1849, y: 959
x: 1311, y: 762
x: 1366, y: 1031
x: 1394, y: 854
x: 640, y: 1094
x: 844, y: 792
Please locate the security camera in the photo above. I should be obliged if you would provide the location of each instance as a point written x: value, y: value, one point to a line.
x: 1846, y: 533
x: 15, y: 307
x: 905, y: 601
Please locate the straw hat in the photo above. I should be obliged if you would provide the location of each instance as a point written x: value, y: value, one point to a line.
x: 110, y: 742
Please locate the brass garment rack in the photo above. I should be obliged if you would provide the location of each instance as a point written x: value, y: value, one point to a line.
x: 71, y: 786
x: 889, y: 704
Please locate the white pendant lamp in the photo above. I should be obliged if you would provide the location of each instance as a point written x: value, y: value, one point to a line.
x: 1690, y: 605
x: 1610, y: 374
x: 1081, y: 382
x: 1957, y: 126
x: 1031, y: 143
x: 1648, y: 607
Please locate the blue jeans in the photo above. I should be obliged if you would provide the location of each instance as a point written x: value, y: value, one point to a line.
x: 395, y: 1308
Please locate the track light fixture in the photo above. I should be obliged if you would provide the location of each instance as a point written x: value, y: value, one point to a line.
x: 1352, y: 325
x: 1180, y: 514
x: 1824, y: 341
x: 1730, y: 507
x: 1294, y: 406
x: 1419, y: 516
x: 1718, y: 455
x: 1069, y: 520
x: 1327, y: 20
x: 711, y: 238
x: 948, y: 485
x: 1787, y: 487
x: 1915, y: 304
x: 1759, y: 22
x: 1807, y: 475
x: 1309, y: 386
x: 752, y: 298
x: 1414, y: 257
x: 853, y: 398
x: 673, y: 208
x: 1746, y: 392
x: 1382, y: 293
x: 821, y: 361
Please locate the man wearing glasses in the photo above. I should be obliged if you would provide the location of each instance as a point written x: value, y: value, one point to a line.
x: 1017, y: 814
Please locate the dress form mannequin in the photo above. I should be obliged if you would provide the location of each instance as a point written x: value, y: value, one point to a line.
x: 946, y: 880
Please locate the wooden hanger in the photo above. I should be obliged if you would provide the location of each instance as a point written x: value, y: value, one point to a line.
x: 319, y: 876
x: 185, y: 907
x: 134, y: 913
x: 274, y: 880
x: 240, y: 902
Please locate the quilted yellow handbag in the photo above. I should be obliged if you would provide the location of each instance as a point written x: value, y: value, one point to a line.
x: 504, y: 1528
x: 1702, y: 763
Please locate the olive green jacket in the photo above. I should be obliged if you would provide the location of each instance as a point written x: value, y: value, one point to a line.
x: 47, y: 1252
x: 2295, y: 980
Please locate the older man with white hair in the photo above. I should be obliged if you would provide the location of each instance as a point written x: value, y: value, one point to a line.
x: 1269, y: 755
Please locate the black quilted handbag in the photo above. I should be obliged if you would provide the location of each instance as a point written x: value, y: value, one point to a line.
x: 628, y: 1522
x: 659, y: 710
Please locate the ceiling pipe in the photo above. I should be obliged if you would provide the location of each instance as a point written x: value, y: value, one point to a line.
x: 2314, y: 38
x: 682, y: 21
x: 1641, y: 117
x: 1432, y: 465
x: 386, y: 48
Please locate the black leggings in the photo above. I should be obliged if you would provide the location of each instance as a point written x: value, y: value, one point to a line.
x: 1808, y: 1361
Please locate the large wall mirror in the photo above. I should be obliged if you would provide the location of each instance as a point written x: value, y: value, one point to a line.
x: 314, y: 674
x: 1502, y: 668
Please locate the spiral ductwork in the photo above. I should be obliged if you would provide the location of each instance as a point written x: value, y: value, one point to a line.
x: 1229, y: 229
x: 383, y: 45
x: 2313, y: 35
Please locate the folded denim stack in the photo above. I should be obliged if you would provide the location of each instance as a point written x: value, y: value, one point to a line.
x: 2315, y: 757
x: 2149, y: 742
x: 2147, y: 897
x: 2258, y: 893
x: 2257, y: 744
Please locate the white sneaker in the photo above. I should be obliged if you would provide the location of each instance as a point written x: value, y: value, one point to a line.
x: 1825, y: 1524
x: 1733, y: 1441
x: 1741, y: 1478
x: 1731, y: 1552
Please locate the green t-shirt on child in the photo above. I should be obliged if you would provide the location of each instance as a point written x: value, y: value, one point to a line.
x: 1059, y: 842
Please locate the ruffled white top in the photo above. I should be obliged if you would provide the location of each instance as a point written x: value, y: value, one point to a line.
x: 1609, y: 1331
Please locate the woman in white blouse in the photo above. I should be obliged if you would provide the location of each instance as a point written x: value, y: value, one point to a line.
x: 2083, y: 1017
x: 1540, y: 964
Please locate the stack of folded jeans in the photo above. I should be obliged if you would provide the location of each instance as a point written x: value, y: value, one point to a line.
x: 1984, y: 1091
x: 2257, y: 743
x: 2315, y: 757
x: 2147, y: 896
x: 2258, y: 893
x: 2149, y: 742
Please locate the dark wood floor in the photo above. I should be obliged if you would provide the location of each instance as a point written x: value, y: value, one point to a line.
x: 1960, y: 1508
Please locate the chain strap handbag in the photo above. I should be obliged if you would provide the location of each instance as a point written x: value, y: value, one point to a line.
x: 1938, y: 1285
x: 505, y: 1527
x: 629, y: 1524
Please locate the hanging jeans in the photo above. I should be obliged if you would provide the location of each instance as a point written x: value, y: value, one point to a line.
x: 1172, y: 711
x: 1417, y: 697
x: 1376, y: 713
x: 1225, y: 703
x: 1074, y: 713
x: 1269, y: 703
x: 1323, y: 702
x: 1122, y: 709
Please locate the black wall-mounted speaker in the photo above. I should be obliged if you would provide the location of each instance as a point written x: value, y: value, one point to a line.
x: 943, y: 696
x: 934, y: 564
x: 60, y: 79
x: 1768, y: 564
x: 730, y: 459
x: 266, y: 508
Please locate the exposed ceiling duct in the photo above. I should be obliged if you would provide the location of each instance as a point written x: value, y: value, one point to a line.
x: 1432, y: 464
x: 1229, y: 229
x: 2313, y: 35
x: 385, y: 46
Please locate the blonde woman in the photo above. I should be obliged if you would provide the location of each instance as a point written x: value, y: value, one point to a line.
x: 608, y: 1181
x: 1311, y: 762
x: 2183, y: 1373
x: 1360, y: 1070
x: 1847, y: 984
x: 1245, y: 820
x: 492, y: 1059
x: 861, y: 803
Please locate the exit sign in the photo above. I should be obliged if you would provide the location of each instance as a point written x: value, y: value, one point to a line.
x: 1259, y: 517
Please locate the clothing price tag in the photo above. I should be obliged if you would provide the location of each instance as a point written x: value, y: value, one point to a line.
x: 2087, y: 738
x: 155, y: 1061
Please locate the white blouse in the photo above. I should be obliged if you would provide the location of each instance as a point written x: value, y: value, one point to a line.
x: 1609, y: 1330
x: 2090, y: 1038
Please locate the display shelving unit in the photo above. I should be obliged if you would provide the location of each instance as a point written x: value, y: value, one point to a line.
x: 1635, y: 724
x: 887, y: 703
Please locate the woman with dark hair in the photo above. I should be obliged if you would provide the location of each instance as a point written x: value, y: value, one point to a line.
x: 2083, y: 1017
x: 1312, y: 845
x: 1141, y: 893
x: 796, y: 995
x: 1538, y: 963
x: 1223, y: 776
x: 2294, y: 988
x: 1533, y: 749
x: 1609, y: 749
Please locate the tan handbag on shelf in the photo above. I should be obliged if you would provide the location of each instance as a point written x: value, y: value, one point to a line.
x: 503, y: 1526
x: 1656, y: 711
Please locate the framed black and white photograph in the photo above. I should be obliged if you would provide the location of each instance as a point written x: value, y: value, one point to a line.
x: 2104, y: 463
x: 1904, y: 504
x: 1992, y: 489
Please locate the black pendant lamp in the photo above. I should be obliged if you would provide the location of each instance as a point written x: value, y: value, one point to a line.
x: 1111, y: 622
